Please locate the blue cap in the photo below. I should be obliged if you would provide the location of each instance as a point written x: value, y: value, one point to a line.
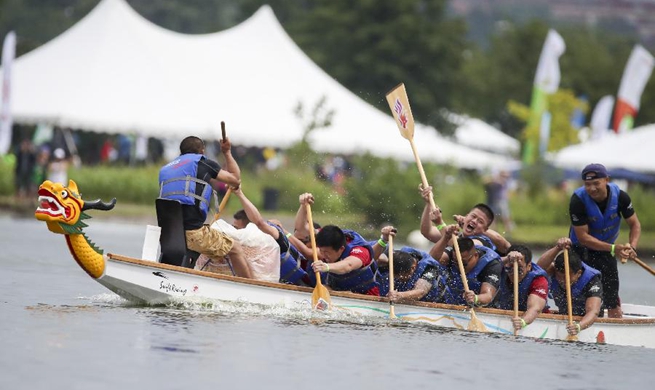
x: 594, y: 171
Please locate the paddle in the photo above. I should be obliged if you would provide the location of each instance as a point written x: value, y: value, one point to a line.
x: 320, y: 296
x: 516, y: 293
x: 402, y: 113
x: 475, y: 323
x: 226, y: 197
x: 644, y: 266
x: 567, y: 280
x: 392, y: 315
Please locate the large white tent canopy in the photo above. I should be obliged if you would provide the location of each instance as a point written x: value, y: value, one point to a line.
x: 114, y: 71
x: 632, y: 151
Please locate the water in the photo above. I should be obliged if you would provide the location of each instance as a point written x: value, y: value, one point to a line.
x: 61, y: 330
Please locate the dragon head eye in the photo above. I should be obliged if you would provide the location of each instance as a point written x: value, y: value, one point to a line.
x: 64, y: 194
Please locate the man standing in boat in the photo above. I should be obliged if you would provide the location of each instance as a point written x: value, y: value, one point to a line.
x: 189, y: 179
x: 482, y: 266
x: 533, y: 286
x: 596, y: 209
x: 474, y: 225
x: 586, y: 285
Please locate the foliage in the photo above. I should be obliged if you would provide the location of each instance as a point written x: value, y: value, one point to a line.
x: 6, y: 175
x: 561, y: 105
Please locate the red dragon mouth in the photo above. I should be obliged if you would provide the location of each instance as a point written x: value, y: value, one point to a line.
x: 49, y: 205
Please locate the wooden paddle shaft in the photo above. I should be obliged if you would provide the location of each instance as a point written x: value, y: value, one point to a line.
x: 458, y: 254
x: 644, y: 266
x: 223, y: 130
x: 567, y: 280
x: 221, y: 206
x: 516, y: 292
x: 421, y: 172
x: 312, y: 237
x: 391, y: 285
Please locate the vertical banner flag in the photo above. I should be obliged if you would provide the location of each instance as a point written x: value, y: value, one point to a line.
x: 635, y: 76
x: 546, y: 82
x: 8, y: 53
x: 402, y: 113
x: 601, y: 117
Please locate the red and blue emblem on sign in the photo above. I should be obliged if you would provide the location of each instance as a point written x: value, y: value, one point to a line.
x: 402, y: 117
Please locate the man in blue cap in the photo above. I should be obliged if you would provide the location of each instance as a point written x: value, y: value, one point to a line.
x: 596, y: 209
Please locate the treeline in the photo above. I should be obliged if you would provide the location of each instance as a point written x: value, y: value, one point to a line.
x: 371, y: 45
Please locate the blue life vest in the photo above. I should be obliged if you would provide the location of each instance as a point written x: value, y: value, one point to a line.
x: 360, y: 280
x: 505, y: 297
x: 290, y: 270
x: 455, y: 289
x: 424, y: 260
x: 603, y: 226
x: 486, y: 241
x: 178, y: 180
x: 578, y: 301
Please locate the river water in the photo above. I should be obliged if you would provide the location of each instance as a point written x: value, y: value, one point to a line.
x: 59, y: 329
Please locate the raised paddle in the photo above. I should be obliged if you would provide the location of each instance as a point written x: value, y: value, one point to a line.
x: 320, y: 296
x: 402, y: 113
x: 226, y: 197
x: 475, y: 323
x: 516, y: 293
x: 567, y: 280
x: 391, y: 286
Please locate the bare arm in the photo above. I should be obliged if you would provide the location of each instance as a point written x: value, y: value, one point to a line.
x: 429, y: 216
x: 547, y: 258
x: 635, y: 230
x: 230, y: 163
x: 501, y: 242
x: 226, y: 177
x: 437, y: 250
x: 421, y: 288
x: 536, y: 305
x: 301, y: 227
x: 341, y: 267
x: 385, y: 233
x: 255, y: 216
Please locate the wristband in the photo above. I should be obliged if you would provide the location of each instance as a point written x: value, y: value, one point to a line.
x: 443, y: 225
x: 578, y: 327
x: 612, y: 250
x: 327, y: 267
x: 288, y: 235
x: 523, y: 323
x: 382, y: 243
x: 475, y: 302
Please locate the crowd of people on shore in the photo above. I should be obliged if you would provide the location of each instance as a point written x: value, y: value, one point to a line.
x: 349, y: 262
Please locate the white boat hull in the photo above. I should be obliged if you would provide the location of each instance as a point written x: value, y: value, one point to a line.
x: 153, y: 283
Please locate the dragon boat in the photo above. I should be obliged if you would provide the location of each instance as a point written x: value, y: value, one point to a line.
x: 154, y: 283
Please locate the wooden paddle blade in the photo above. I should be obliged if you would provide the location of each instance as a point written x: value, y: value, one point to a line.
x: 571, y: 338
x: 476, y: 324
x: 320, y: 296
x: 401, y: 111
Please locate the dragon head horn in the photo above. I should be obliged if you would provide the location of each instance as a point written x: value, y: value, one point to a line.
x: 99, y: 205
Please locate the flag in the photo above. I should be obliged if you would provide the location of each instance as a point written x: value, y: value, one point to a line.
x: 8, y: 54
x: 546, y: 82
x: 601, y: 117
x: 635, y: 76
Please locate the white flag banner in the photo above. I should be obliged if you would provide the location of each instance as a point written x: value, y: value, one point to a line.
x: 635, y: 76
x: 548, y: 74
x: 601, y: 117
x: 8, y: 54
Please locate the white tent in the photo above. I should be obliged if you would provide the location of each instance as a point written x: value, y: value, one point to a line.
x: 632, y: 151
x: 114, y: 71
x: 478, y: 134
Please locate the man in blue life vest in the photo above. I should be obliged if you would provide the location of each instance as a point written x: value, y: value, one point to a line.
x: 291, y: 270
x: 596, y: 209
x: 586, y: 285
x: 474, y: 225
x: 533, y: 286
x: 482, y: 267
x: 189, y: 179
x: 348, y: 260
x: 417, y: 276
